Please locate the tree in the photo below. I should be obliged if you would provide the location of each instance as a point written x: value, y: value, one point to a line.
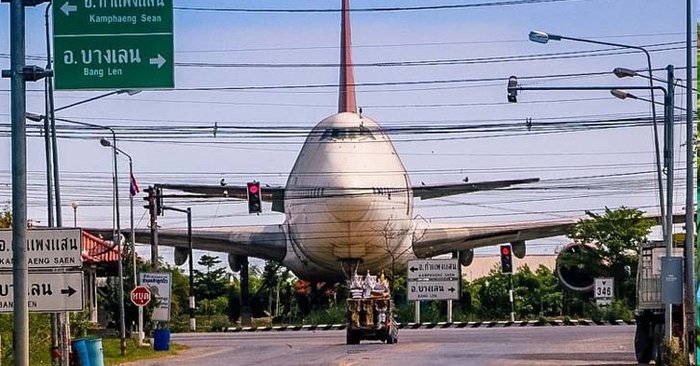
x: 614, y: 240
x: 5, y: 218
x: 210, y: 284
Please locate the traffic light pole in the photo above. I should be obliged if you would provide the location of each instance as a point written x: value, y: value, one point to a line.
x: 188, y: 211
x: 512, y: 303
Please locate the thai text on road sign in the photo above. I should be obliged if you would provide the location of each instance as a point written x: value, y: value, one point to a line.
x: 113, y: 44
x: 433, y: 290
x: 48, y: 292
x: 46, y: 248
x: 140, y: 295
x: 438, y: 269
x: 160, y: 285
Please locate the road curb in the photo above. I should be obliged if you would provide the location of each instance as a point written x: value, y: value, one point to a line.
x: 439, y: 325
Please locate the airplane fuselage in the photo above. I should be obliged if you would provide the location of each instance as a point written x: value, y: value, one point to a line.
x: 348, y: 198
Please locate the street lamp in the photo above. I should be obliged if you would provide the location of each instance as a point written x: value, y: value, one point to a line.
x: 106, y: 143
x: 74, y: 204
x: 117, y: 236
x: 514, y: 87
x: 120, y: 91
x: 544, y: 37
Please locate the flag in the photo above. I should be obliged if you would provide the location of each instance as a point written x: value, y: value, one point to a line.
x: 134, y: 186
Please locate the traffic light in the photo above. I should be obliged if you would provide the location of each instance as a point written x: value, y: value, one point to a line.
x: 506, y: 259
x: 254, y: 198
x: 513, y: 89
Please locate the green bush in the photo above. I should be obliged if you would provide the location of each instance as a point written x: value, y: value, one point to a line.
x: 218, y: 322
x: 333, y: 314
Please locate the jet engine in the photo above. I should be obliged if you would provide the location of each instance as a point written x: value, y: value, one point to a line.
x: 234, y: 262
x: 181, y: 255
x: 571, y: 268
x: 466, y: 257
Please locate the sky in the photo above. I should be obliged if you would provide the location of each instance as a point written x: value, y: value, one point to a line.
x: 581, y: 166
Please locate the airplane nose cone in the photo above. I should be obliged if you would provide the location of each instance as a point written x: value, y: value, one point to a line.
x: 349, y: 204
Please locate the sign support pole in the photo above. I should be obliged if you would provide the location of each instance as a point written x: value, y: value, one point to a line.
x: 449, y: 311
x: 512, y: 302
x: 20, y: 269
x: 417, y: 314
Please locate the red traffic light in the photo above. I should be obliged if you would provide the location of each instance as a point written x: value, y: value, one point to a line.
x: 253, y: 188
x: 505, y: 250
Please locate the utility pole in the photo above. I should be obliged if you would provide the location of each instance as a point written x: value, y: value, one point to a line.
x: 19, y: 74
x: 20, y: 271
x: 690, y: 293
x: 668, y: 155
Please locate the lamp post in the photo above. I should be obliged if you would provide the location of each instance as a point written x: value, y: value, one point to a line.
x: 514, y: 87
x: 75, y: 205
x: 117, y: 236
x: 544, y: 37
x: 188, y: 211
x: 689, y: 245
x: 106, y: 143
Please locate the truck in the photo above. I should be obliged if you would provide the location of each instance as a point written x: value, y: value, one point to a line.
x: 370, y: 311
x: 649, y: 313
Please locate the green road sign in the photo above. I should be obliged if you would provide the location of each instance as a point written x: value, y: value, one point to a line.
x: 113, y: 44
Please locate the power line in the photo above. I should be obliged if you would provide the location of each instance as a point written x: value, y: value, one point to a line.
x: 371, y: 10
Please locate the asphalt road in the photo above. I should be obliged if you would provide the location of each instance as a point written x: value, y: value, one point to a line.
x: 579, y: 345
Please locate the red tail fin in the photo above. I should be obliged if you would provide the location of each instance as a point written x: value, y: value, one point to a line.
x: 346, y: 94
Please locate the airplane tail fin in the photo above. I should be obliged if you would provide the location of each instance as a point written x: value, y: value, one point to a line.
x: 346, y: 93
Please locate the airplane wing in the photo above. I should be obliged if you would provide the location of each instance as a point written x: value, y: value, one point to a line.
x: 260, y: 241
x: 268, y: 194
x: 439, y: 239
x: 425, y: 192
x: 447, y: 238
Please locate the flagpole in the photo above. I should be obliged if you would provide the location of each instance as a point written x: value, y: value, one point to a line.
x: 133, y: 190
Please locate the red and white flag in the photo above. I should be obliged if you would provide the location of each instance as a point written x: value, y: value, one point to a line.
x: 134, y: 186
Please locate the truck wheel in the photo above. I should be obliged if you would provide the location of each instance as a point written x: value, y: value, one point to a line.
x: 643, y: 342
x: 351, y: 338
x: 657, y: 348
x: 392, y: 335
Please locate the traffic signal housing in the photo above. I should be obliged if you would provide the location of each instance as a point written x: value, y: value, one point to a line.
x: 254, y: 198
x: 506, y: 259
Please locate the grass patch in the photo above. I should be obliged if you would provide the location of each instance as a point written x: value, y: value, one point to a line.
x: 113, y: 356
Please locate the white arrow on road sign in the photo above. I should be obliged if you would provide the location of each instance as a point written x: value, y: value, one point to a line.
x: 433, y: 290
x: 433, y: 269
x: 49, y: 292
x: 67, y: 8
x: 160, y: 61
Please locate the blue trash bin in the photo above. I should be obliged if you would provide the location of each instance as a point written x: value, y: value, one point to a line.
x: 161, y: 340
x: 80, y: 347
x: 94, y: 349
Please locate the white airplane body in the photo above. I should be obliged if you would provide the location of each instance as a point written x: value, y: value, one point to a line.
x: 348, y: 204
x: 327, y: 223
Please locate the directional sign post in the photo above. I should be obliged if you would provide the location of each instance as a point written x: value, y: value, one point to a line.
x: 433, y: 279
x: 113, y: 44
x: 46, y: 248
x: 48, y: 292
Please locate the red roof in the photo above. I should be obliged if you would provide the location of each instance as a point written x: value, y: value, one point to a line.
x: 97, y: 250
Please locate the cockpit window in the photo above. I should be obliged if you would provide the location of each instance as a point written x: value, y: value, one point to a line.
x: 348, y: 133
